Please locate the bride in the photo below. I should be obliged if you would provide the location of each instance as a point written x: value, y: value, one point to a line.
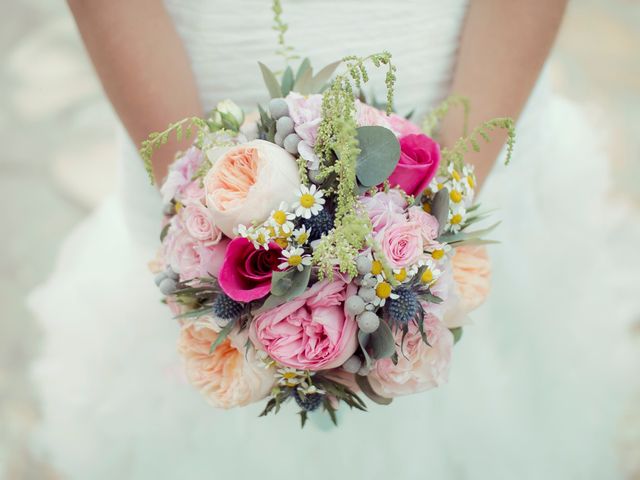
x: 539, y: 382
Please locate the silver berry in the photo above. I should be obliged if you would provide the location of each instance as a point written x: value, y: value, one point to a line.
x: 369, y: 282
x: 284, y: 126
x: 278, y: 108
x: 171, y: 274
x: 353, y: 364
x: 368, y: 322
x: 314, y: 176
x: 278, y: 139
x: 159, y: 278
x: 364, y: 264
x: 168, y: 286
x: 368, y: 294
x: 354, y: 305
x: 291, y: 142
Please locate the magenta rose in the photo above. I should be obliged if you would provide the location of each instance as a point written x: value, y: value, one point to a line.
x: 418, y: 164
x: 310, y: 332
x: 246, y: 272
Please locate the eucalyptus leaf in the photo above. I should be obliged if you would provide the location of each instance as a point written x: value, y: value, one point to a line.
x: 367, y: 389
x: 464, y: 236
x: 222, y: 335
x: 473, y: 241
x: 194, y: 313
x: 272, y: 301
x: 270, y: 81
x: 303, y: 83
x: 281, y: 282
x: 323, y: 76
x: 379, y: 155
x: 440, y: 208
x: 304, y: 66
x: 287, y: 81
x: 363, y: 341
x: 431, y: 298
x: 383, y: 345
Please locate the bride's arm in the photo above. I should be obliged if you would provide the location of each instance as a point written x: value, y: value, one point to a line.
x: 142, y: 65
x: 504, y: 45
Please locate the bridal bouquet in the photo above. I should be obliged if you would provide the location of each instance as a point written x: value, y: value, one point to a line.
x: 321, y: 250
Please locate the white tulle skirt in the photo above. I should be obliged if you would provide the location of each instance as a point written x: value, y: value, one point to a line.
x: 537, y: 389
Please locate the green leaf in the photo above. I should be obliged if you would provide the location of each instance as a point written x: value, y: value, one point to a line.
x: 457, y: 334
x: 194, y: 313
x: 379, y: 155
x: 287, y: 81
x: 270, y: 81
x: 383, y: 345
x: 303, y: 83
x: 222, y: 335
x: 290, y: 283
x: 465, y: 236
x: 164, y: 231
x: 363, y: 341
x: 323, y: 76
x: 431, y: 298
x: 303, y: 418
x: 440, y: 208
x: 304, y: 66
x: 367, y: 389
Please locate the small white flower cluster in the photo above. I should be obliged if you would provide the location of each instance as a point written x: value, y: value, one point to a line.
x: 299, y: 379
x: 461, y: 187
x: 280, y: 228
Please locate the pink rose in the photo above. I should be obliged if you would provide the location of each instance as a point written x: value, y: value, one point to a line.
x: 428, y: 224
x: 188, y: 257
x: 310, y: 332
x: 231, y: 375
x: 306, y: 113
x: 180, y: 174
x: 402, y: 243
x: 384, y: 208
x: 421, y: 367
x: 403, y: 127
x: 246, y: 272
x: 418, y: 164
x: 199, y: 224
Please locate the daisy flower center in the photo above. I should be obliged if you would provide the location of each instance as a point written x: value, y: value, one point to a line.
x: 401, y: 276
x: 456, y: 219
x: 437, y: 254
x: 280, y: 217
x: 376, y: 267
x: 455, y: 196
x: 427, y: 276
x: 283, y: 243
x: 383, y: 290
x: 295, y: 260
x: 307, y: 200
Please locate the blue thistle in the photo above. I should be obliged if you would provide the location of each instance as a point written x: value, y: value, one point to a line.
x: 405, y: 308
x: 319, y: 224
x: 308, y: 402
x: 227, y: 308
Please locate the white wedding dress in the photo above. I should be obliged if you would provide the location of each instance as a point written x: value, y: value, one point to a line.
x: 538, y: 383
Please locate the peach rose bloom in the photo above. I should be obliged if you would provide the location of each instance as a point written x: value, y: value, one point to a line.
x: 247, y: 182
x: 472, y: 275
x: 229, y: 377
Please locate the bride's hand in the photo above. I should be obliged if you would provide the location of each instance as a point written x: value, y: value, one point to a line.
x: 504, y: 45
x: 142, y: 65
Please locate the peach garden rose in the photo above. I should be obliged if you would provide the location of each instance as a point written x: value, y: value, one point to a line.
x: 229, y: 377
x: 248, y: 181
x: 472, y: 275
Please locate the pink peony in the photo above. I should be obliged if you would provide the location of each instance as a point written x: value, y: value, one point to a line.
x: 180, y: 174
x: 428, y: 225
x: 418, y: 164
x: 420, y: 367
x: 246, y: 272
x: 403, y: 127
x: 402, y: 243
x: 306, y: 113
x: 384, y: 208
x: 231, y: 375
x: 199, y: 224
x: 366, y: 115
x: 310, y: 332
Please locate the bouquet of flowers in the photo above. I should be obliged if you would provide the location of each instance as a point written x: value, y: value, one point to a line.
x: 322, y: 250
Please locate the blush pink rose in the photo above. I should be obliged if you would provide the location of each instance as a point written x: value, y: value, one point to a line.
x: 231, y: 375
x: 306, y: 113
x: 472, y: 275
x: 418, y: 164
x: 199, y: 224
x: 402, y: 243
x: 403, y: 127
x: 180, y: 174
x: 245, y: 274
x: 310, y: 332
x: 366, y: 115
x: 384, y: 208
x: 421, y: 367
x: 428, y: 225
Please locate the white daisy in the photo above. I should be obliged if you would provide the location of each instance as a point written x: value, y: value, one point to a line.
x: 431, y: 273
x: 281, y: 219
x: 301, y: 235
x: 384, y: 290
x: 310, y: 201
x: 296, y: 258
x: 306, y: 389
x: 456, y: 218
x: 290, y: 377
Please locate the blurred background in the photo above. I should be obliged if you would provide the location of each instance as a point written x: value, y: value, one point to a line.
x: 48, y: 94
